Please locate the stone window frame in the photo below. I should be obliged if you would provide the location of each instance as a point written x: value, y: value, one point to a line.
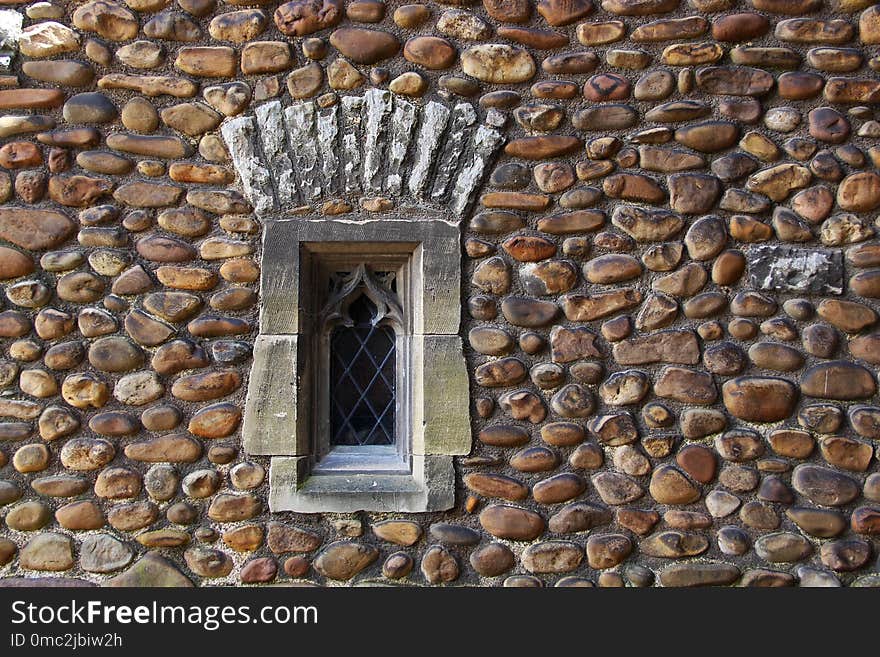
x: 278, y: 410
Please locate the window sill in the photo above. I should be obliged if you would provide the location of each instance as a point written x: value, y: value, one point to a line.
x: 429, y: 487
x: 372, y: 459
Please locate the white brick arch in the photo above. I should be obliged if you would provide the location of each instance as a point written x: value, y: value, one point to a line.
x: 430, y: 154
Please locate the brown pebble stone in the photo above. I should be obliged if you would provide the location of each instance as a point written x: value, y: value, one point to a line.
x: 708, y: 137
x: 231, y: 507
x: 511, y: 522
x: 866, y: 520
x: 638, y: 521
x: 203, y: 387
x: 207, y: 61
x: 79, y: 516
x: 430, y: 52
x: 607, y: 86
x: 260, y: 570
x: 799, y: 86
x: 740, y: 27
x: 31, y: 98
x: 845, y: 555
x: 760, y: 399
x: 303, y: 17
x: 296, y: 566
x: 608, y: 550
x: 697, y: 461
x: 538, y: 148
x: 846, y: 453
x: 492, y: 559
x: 838, y: 380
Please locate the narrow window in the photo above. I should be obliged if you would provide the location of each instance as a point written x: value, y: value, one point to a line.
x: 362, y: 378
x: 362, y: 422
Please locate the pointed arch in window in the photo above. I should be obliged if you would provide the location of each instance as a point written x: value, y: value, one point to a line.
x: 363, y: 320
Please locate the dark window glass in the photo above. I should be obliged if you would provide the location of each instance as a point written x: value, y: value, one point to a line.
x: 362, y: 378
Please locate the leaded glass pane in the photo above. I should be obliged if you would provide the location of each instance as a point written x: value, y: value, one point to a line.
x: 362, y: 379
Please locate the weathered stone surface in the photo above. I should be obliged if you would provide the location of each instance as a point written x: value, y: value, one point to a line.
x: 779, y: 181
x: 607, y: 550
x: 845, y: 555
x: 364, y: 46
x: 48, y: 552
x: 838, y: 380
x: 46, y: 39
x: 615, y: 488
x: 823, y: 485
x: 492, y: 485
x: 511, y: 523
x: 176, y: 448
x: 287, y: 538
x: 27, y: 516
x: 670, y: 486
x: 685, y: 385
x: 783, y: 547
x: 400, y: 532
x: 101, y: 553
x: 231, y: 507
x: 823, y: 523
x: 664, y: 346
x: 498, y: 63
x: 674, y: 545
x: 344, y: 559
x: 151, y: 570
x: 203, y: 387
x: 759, y: 399
x: 699, y: 574
x: 492, y: 559
x: 612, y: 269
x: 33, y: 229
x: 846, y: 453
x: 303, y: 17
x: 439, y: 565
x: 859, y: 192
x: 797, y: 270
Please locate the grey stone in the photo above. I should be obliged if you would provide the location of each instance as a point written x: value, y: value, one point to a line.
x: 486, y: 141
x: 463, y: 116
x: 376, y: 108
x: 351, y: 145
x: 429, y: 487
x: 402, y: 122
x: 272, y: 135
x: 328, y: 128
x: 790, y: 269
x: 230, y: 352
x: 10, y: 28
x: 151, y: 570
x: 240, y: 137
x: 816, y: 578
x: 101, y: 553
x: 433, y: 123
x: 299, y: 119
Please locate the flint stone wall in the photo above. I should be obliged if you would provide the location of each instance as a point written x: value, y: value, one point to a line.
x: 656, y: 400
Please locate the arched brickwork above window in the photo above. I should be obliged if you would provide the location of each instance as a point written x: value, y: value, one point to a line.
x: 374, y: 147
